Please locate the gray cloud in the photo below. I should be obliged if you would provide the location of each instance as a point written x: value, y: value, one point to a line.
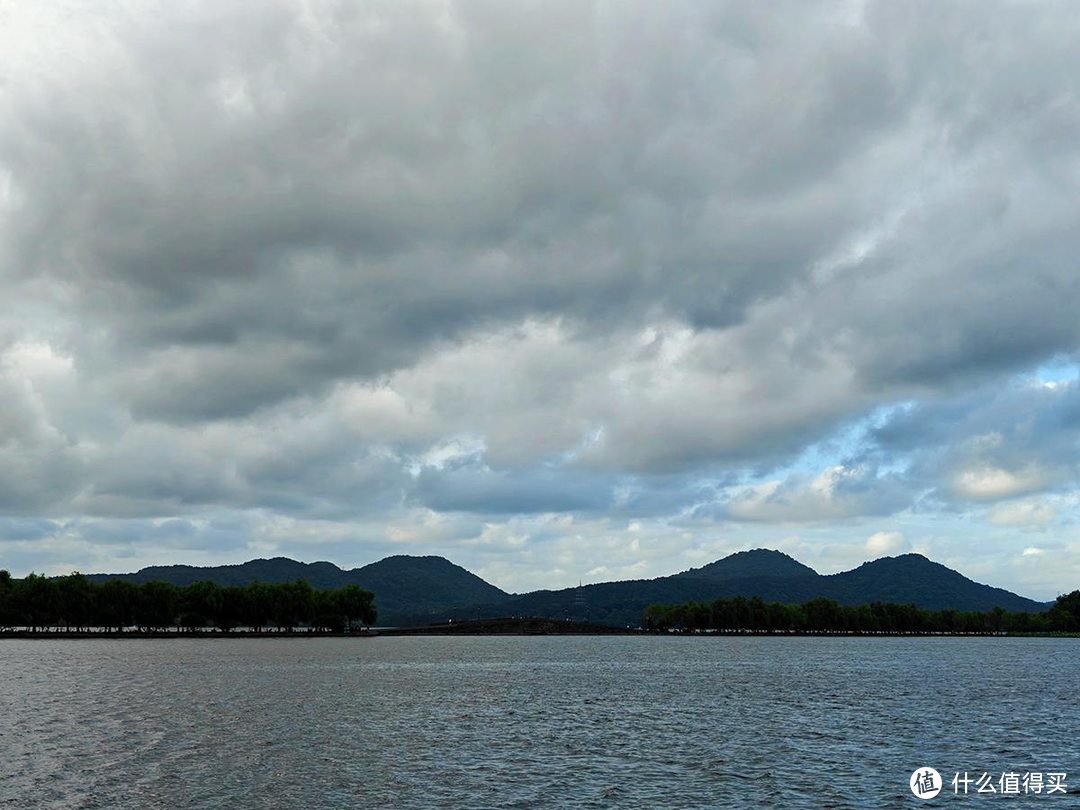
x: 359, y: 265
x: 485, y: 491
x: 836, y: 494
x: 993, y: 444
x: 322, y: 198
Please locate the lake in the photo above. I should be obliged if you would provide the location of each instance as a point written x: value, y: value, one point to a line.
x: 625, y: 721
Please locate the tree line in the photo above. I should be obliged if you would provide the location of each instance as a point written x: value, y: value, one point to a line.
x: 742, y: 614
x: 75, y: 603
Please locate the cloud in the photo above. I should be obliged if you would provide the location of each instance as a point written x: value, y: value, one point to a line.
x: 308, y: 207
x: 989, y: 444
x: 837, y: 493
x: 480, y: 489
x: 882, y: 544
x: 330, y: 268
x: 991, y: 483
x: 39, y: 463
x: 1030, y: 513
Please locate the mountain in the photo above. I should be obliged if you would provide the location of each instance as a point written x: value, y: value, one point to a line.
x: 421, y: 590
x: 771, y: 575
x: 914, y: 578
x: 278, y: 569
x: 760, y: 562
x: 405, y: 587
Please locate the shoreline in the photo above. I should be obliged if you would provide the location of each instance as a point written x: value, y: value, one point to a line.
x: 462, y: 630
x: 77, y: 635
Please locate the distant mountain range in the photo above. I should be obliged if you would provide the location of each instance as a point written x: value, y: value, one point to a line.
x: 773, y: 576
x: 403, y: 586
x: 420, y: 590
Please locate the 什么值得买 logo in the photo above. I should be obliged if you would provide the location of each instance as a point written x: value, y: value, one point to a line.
x: 925, y: 783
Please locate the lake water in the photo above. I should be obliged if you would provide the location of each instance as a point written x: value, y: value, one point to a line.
x: 529, y: 721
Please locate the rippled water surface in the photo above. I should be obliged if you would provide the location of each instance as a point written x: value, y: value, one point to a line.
x: 528, y: 721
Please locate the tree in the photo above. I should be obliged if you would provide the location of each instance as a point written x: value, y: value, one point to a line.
x: 233, y: 607
x: 656, y: 617
x: 823, y: 614
x: 357, y: 605
x: 76, y: 600
x: 1065, y: 614
x: 328, y: 612
x: 116, y: 604
x: 292, y: 604
x: 37, y: 600
x: 7, y: 600
x: 158, y: 604
x: 200, y: 605
x: 259, y: 605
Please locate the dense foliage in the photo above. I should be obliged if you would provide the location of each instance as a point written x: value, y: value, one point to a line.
x: 74, y: 602
x: 426, y: 590
x: 770, y: 575
x: 740, y: 614
x: 408, y: 588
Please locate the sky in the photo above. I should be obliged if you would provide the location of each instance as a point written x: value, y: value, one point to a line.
x: 561, y: 291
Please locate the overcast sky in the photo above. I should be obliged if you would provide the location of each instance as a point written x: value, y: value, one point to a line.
x: 558, y: 290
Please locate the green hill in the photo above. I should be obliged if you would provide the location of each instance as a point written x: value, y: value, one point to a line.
x: 405, y: 587
x: 771, y: 575
x: 421, y: 590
